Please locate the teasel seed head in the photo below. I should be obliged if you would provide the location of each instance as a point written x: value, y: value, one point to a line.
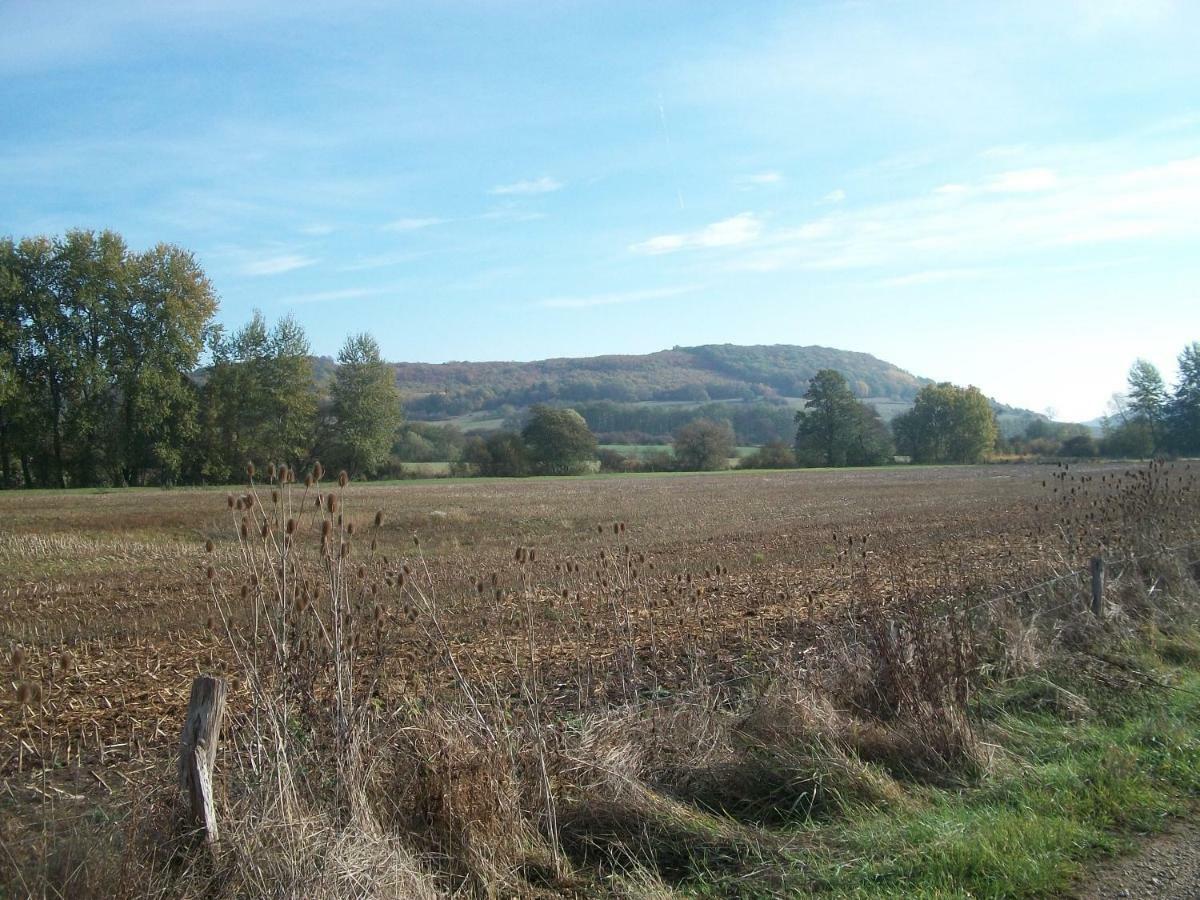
x: 249, y: 470
x: 378, y: 517
x: 208, y: 546
x: 343, y: 479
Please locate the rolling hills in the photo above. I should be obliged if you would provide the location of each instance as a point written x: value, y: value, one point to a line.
x: 642, y: 398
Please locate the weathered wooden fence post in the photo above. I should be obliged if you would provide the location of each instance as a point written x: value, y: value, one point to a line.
x: 1098, y: 586
x: 198, y: 750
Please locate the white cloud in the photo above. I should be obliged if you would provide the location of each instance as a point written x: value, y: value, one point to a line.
x: 664, y: 243
x: 1022, y: 181
x: 931, y: 276
x: 317, y: 229
x: 761, y: 178
x: 615, y: 298
x: 276, y: 265
x: 543, y: 185
x: 1003, y: 217
x: 835, y: 196
x: 743, y: 228
x: 412, y: 224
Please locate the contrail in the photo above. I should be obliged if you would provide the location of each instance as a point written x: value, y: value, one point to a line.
x: 666, y: 133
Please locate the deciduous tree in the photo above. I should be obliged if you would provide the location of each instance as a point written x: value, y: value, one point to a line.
x: 947, y: 424
x: 365, y: 407
x: 704, y: 445
x: 558, y: 440
x: 836, y: 429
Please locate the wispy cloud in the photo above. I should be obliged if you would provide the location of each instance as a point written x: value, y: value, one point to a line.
x: 740, y: 229
x: 584, y: 302
x: 760, y: 178
x: 1022, y: 181
x: 931, y: 276
x: 996, y: 218
x: 543, y: 185
x: 413, y: 224
x: 381, y: 261
x: 332, y: 296
x: 511, y: 215
x: 276, y: 265
x: 835, y: 196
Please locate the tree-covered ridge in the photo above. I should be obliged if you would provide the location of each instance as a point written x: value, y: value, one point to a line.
x: 689, y: 374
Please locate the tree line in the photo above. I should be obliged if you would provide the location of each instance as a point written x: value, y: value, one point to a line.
x: 102, y: 383
x: 835, y: 428
x: 99, y: 380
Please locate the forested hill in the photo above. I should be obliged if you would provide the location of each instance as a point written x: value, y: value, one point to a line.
x: 691, y: 374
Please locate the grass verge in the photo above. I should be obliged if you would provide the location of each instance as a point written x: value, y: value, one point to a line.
x: 1082, y: 767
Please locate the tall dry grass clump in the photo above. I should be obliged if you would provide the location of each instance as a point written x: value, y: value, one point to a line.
x: 305, y: 607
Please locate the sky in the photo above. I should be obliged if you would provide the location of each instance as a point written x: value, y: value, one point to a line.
x: 999, y: 194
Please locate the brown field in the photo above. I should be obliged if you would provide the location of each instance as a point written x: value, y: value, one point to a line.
x: 636, y: 588
x: 116, y: 578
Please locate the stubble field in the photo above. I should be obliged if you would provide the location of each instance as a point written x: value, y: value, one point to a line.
x: 538, y: 604
x: 115, y: 581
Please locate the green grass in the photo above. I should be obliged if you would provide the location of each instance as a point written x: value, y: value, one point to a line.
x: 1062, y: 793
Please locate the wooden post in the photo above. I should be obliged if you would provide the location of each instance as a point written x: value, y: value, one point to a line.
x: 1098, y: 586
x: 198, y: 750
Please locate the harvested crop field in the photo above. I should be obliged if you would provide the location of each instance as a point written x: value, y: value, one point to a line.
x: 565, y: 598
x: 117, y: 578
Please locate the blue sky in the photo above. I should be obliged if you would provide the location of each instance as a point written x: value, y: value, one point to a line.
x: 1005, y: 194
